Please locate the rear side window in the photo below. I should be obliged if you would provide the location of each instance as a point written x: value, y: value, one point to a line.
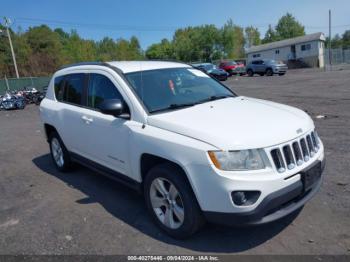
x: 59, y: 81
x: 101, y: 88
x: 74, y: 85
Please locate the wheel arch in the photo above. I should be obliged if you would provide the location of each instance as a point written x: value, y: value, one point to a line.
x: 148, y: 161
x: 48, y: 130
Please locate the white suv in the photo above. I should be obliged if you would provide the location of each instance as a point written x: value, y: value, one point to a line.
x: 196, y: 150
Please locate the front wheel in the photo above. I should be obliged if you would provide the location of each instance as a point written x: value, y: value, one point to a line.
x: 250, y: 72
x: 269, y: 72
x: 171, y: 201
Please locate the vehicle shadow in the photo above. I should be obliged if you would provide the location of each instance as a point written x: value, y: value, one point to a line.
x: 119, y: 201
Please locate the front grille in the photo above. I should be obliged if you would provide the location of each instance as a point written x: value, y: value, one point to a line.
x: 296, y: 153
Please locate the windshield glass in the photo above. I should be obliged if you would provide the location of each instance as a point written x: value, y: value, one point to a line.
x: 209, y: 66
x: 167, y: 89
x: 271, y: 62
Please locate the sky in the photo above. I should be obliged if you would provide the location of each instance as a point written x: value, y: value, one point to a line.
x: 153, y: 20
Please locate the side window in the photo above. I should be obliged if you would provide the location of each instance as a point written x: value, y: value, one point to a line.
x: 58, y: 86
x: 305, y: 47
x: 74, y: 85
x: 100, y: 89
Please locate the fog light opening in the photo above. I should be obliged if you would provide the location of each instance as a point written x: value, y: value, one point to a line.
x: 245, y: 198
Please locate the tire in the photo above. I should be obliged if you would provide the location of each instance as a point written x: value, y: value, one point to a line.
x: 250, y: 72
x: 169, y: 178
x: 59, y: 153
x: 269, y: 72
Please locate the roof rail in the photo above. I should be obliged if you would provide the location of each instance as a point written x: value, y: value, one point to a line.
x: 83, y: 63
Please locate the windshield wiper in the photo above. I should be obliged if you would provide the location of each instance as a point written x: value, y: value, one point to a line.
x: 213, y: 98
x: 178, y: 106
x: 173, y: 106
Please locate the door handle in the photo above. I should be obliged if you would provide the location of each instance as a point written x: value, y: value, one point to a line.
x: 87, y: 119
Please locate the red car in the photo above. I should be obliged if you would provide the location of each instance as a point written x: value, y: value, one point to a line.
x: 233, y: 68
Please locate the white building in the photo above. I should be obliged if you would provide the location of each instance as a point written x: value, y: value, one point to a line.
x: 308, y: 50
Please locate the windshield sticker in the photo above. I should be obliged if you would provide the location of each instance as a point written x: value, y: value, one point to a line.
x: 197, y: 72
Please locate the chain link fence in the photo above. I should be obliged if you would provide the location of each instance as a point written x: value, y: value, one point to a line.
x: 12, y: 84
x: 339, y: 58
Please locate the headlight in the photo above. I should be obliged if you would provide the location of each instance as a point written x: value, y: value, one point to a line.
x: 251, y: 159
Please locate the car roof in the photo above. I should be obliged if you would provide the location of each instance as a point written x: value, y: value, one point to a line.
x: 134, y: 66
x: 129, y: 66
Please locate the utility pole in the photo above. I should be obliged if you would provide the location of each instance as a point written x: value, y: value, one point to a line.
x: 330, y: 39
x: 7, y: 25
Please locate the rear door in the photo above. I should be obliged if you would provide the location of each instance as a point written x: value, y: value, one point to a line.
x: 71, y: 96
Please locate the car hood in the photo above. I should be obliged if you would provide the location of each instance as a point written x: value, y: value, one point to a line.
x: 236, y: 123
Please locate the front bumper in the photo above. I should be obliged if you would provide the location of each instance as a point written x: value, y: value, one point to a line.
x: 280, y: 70
x: 222, y: 77
x: 273, y: 207
x: 280, y: 193
x: 237, y: 70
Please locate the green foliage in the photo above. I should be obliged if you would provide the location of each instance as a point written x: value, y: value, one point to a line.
x: 162, y: 50
x: 287, y: 27
x: 337, y: 41
x: 252, y: 36
x: 41, y: 50
x: 270, y: 36
x: 201, y: 43
x: 346, y: 39
x: 340, y: 41
x: 232, y: 40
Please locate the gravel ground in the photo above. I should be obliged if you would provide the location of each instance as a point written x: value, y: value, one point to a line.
x: 45, y: 212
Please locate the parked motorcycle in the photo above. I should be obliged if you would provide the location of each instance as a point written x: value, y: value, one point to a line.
x: 12, y: 101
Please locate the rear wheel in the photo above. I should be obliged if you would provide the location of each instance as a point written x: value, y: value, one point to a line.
x: 171, y: 201
x: 269, y: 72
x: 59, y: 153
x: 250, y: 72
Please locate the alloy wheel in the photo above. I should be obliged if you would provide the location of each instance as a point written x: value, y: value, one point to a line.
x: 167, y: 203
x: 57, y: 152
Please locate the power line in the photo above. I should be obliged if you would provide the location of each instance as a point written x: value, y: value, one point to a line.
x: 26, y: 20
x: 99, y: 26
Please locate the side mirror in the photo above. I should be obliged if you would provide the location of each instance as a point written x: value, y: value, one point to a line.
x: 114, y: 107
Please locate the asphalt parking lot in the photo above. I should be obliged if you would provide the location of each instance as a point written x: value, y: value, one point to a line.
x: 45, y: 212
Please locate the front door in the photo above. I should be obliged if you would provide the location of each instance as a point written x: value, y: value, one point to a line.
x: 106, y: 136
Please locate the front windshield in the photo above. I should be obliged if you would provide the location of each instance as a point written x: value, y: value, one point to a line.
x: 166, y: 89
x: 209, y: 67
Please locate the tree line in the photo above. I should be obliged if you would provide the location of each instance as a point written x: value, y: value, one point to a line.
x: 41, y: 50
